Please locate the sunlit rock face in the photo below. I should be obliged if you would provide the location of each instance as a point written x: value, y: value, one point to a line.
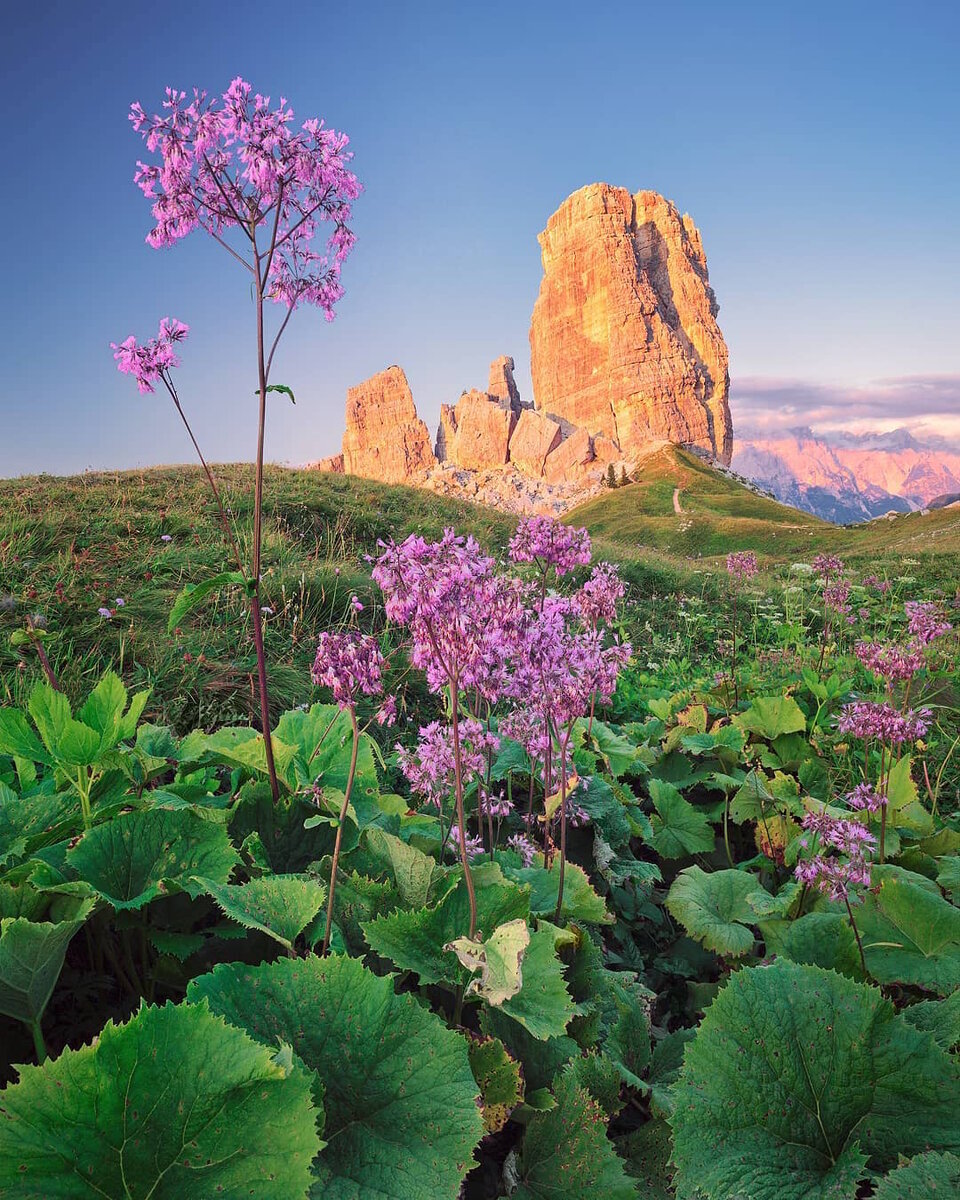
x: 384, y: 438
x: 624, y: 339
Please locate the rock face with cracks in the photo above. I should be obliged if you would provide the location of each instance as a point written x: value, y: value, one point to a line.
x: 384, y: 438
x: 624, y: 339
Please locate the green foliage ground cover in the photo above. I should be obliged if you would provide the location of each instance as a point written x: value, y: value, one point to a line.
x: 693, y: 1022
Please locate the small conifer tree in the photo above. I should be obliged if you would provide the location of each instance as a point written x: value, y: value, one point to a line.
x: 611, y: 476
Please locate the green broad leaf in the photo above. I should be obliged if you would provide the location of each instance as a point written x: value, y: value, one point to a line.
x: 646, y: 1155
x: 33, y: 946
x: 138, y: 856
x: 51, y: 714
x: 278, y: 387
x: 940, y: 1018
x: 193, y: 593
x: 904, y: 810
x: 415, y: 940
x: 822, y: 939
x: 926, y: 1177
x: 580, y: 902
x: 797, y: 1080
x: 679, y: 829
x: 760, y: 797
x: 600, y: 1078
x: 713, y: 909
x: 173, y: 1104
x: 36, y: 821
x: 238, y: 746
x: 77, y: 745
x: 765, y: 905
x: 627, y: 1043
x: 178, y: 945
x: 499, y: 1079
x: 770, y: 717
x: 607, y: 812
x: 281, y: 906
x: 541, y: 1058
x: 543, y: 1005
x: 727, y: 738
x: 289, y: 848
x: 359, y: 899
x: 323, y: 741
x: 410, y: 869
x: 499, y: 960
x: 103, y: 709
x: 909, y: 932
x: 665, y: 1065
x: 401, y: 1102
x: 949, y: 875
x: 18, y: 740
x: 566, y: 1151
x: 618, y: 751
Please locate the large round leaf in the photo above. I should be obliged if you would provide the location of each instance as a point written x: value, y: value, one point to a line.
x: 401, y: 1103
x: 175, y: 1103
x: 140, y: 855
x: 927, y: 1177
x: 797, y: 1078
x: 713, y: 908
x: 281, y: 906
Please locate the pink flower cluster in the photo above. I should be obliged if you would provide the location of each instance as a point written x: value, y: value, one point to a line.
x: 236, y: 164
x: 828, y: 566
x: 465, y: 621
x: 742, y: 565
x: 836, y: 876
x: 429, y: 768
x: 597, y: 600
x: 865, y: 798
x: 891, y: 662
x: 152, y: 360
x: 498, y: 647
x: 836, y: 597
x: 880, y: 721
x: 350, y: 664
x: 549, y: 543
x: 925, y: 621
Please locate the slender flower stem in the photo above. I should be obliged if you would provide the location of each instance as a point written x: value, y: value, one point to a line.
x: 224, y: 520
x: 343, y: 816
x: 257, y: 532
x: 461, y: 823
x: 856, y: 934
x: 563, y: 823
x: 42, y: 655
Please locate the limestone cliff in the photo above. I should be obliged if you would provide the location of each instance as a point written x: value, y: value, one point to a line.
x: 384, y: 438
x: 624, y: 339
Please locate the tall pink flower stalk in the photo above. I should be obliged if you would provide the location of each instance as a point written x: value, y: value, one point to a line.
x: 261, y: 187
x: 489, y: 641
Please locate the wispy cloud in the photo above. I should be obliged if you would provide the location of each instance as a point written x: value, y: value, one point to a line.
x: 927, y: 405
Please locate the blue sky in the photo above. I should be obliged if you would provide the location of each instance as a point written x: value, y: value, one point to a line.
x: 815, y: 145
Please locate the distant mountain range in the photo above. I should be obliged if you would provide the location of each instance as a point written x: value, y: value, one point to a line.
x: 845, y: 477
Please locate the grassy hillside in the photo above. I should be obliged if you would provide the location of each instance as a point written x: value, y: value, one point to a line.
x: 719, y: 514
x: 69, y: 547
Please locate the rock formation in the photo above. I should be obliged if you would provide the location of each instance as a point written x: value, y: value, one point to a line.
x: 384, y: 438
x: 502, y: 385
x: 476, y: 433
x: 624, y: 340
x: 533, y: 439
x: 626, y: 355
